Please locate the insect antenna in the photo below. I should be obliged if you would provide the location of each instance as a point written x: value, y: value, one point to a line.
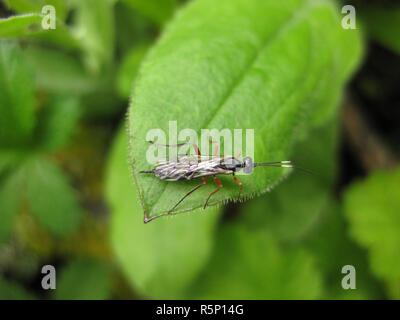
x: 282, y: 164
x: 148, y: 171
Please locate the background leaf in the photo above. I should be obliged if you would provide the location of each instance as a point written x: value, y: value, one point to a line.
x: 332, y: 249
x: 20, y: 25
x: 131, y: 28
x: 66, y: 77
x: 94, y: 28
x: 10, y: 199
x: 159, y: 11
x: 11, y: 290
x: 29, y: 27
x: 57, y: 122
x: 10, y: 159
x: 17, y: 112
x: 290, y: 210
x: 51, y: 198
x: 239, y: 64
x: 83, y: 279
x: 35, y: 6
x: 161, y: 258
x: 129, y: 68
x: 245, y: 265
x: 372, y: 207
x: 383, y: 25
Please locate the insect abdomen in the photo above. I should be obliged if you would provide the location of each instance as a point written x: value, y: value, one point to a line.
x: 169, y: 173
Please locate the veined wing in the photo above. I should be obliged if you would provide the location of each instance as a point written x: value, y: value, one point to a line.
x: 188, y: 167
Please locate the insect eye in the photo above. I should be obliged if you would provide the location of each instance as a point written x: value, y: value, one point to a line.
x: 248, y: 165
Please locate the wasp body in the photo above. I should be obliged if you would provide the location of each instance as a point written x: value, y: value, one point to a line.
x: 189, y: 167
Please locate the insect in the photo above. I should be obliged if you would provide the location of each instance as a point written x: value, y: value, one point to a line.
x: 198, y: 166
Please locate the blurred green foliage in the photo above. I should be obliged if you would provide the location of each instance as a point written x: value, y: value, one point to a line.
x: 92, y: 276
x: 14, y: 26
x: 28, y: 177
x: 16, y: 98
x: 158, y: 11
x: 128, y: 69
x: 67, y: 195
x: 283, y: 212
x: 10, y: 290
x: 383, y: 24
x: 372, y: 207
x: 332, y: 249
x: 251, y: 265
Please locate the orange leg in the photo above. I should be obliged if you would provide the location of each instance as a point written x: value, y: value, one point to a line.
x: 214, y: 192
x: 216, y: 150
x: 240, y: 185
x: 191, y: 191
x: 195, y: 147
x: 216, y: 146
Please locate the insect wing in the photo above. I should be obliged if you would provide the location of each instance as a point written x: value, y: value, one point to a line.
x: 187, y: 167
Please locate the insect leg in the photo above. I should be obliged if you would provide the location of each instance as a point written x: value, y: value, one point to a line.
x: 216, y: 146
x: 214, y: 192
x: 191, y: 191
x: 195, y: 147
x: 237, y: 155
x: 240, y: 185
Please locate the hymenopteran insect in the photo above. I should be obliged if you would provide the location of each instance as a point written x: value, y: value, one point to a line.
x: 189, y: 167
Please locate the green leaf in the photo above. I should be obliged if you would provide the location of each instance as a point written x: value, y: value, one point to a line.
x: 23, y: 6
x: 20, y: 25
x: 10, y: 158
x: 58, y: 121
x: 94, y: 28
x: 251, y: 265
x: 245, y: 64
x: 372, y: 207
x: 332, y: 249
x: 104, y: 103
x: 129, y: 68
x: 29, y: 27
x: 291, y: 210
x: 10, y: 199
x: 131, y: 28
x: 17, y: 112
x: 35, y: 6
x: 160, y: 258
x: 383, y: 25
x: 83, y: 279
x: 56, y: 71
x: 61, y: 37
x: 159, y: 11
x: 10, y: 290
x: 51, y: 198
